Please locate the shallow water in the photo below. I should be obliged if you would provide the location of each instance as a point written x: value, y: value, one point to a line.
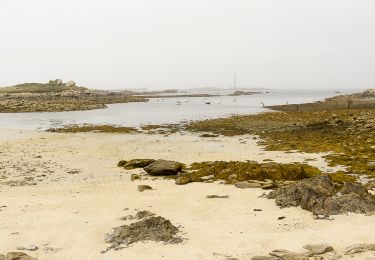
x: 159, y: 111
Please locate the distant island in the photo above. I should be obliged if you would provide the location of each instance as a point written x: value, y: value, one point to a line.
x: 57, y: 96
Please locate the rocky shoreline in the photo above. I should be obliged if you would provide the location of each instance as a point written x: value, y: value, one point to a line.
x: 58, y: 97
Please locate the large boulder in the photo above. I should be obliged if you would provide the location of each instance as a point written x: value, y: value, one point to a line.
x: 163, y: 167
x: 320, y: 196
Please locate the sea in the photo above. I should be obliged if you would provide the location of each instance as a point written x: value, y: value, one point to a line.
x: 165, y: 110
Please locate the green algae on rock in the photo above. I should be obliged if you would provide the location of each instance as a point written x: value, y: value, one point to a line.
x: 94, y: 128
x: 235, y: 171
x: 347, y: 135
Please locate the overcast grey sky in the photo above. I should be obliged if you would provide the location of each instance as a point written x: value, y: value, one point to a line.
x: 189, y: 43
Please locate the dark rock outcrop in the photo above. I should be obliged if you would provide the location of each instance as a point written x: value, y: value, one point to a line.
x: 137, y: 163
x: 163, y: 167
x: 320, y: 196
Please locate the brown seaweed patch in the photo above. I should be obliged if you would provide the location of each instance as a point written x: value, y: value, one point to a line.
x: 235, y: 171
x: 94, y: 128
x: 149, y: 228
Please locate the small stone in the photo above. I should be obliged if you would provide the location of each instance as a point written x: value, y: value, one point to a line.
x: 281, y: 218
x: 182, y: 181
x: 142, y: 188
x: 121, y: 163
x: 134, y: 177
x: 217, y: 197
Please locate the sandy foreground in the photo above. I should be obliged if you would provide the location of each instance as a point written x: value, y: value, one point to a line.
x: 80, y: 195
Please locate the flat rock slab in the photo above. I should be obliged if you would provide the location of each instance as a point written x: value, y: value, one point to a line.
x: 136, y: 163
x: 359, y: 248
x: 163, y: 167
x: 247, y: 185
x: 318, y: 249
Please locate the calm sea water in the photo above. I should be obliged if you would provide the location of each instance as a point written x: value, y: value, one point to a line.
x: 159, y: 111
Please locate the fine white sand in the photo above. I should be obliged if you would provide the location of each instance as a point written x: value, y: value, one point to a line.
x: 81, y: 195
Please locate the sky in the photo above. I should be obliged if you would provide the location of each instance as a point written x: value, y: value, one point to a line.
x: 159, y: 44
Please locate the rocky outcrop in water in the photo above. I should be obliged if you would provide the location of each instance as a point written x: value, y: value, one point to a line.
x: 57, y: 96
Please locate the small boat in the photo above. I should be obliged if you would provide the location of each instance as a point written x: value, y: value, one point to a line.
x: 207, y: 102
x: 218, y: 102
x: 178, y: 103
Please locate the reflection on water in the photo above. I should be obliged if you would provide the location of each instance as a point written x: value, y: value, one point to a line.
x: 159, y: 111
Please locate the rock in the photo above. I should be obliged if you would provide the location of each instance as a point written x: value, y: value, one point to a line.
x: 370, y: 213
x: 371, y: 165
x: 318, y: 249
x: 232, y: 177
x: 142, y: 188
x: 182, y: 180
x: 353, y: 188
x: 217, y: 197
x: 16, y: 256
x: 49, y: 249
x: 279, y: 252
x: 208, y: 177
x: 152, y: 228
x: 319, y: 195
x: 359, y: 248
x: 138, y: 163
x: 294, y: 256
x: 287, y: 255
x: 247, y: 185
x: 121, y: 163
x: 56, y: 82
x: 268, y: 186
x: 28, y: 248
x: 70, y: 84
x: 134, y: 177
x: 163, y: 167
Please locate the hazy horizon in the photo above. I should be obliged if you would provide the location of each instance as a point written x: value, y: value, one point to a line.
x: 182, y: 44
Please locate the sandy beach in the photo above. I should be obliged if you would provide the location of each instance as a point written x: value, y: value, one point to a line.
x: 64, y: 192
